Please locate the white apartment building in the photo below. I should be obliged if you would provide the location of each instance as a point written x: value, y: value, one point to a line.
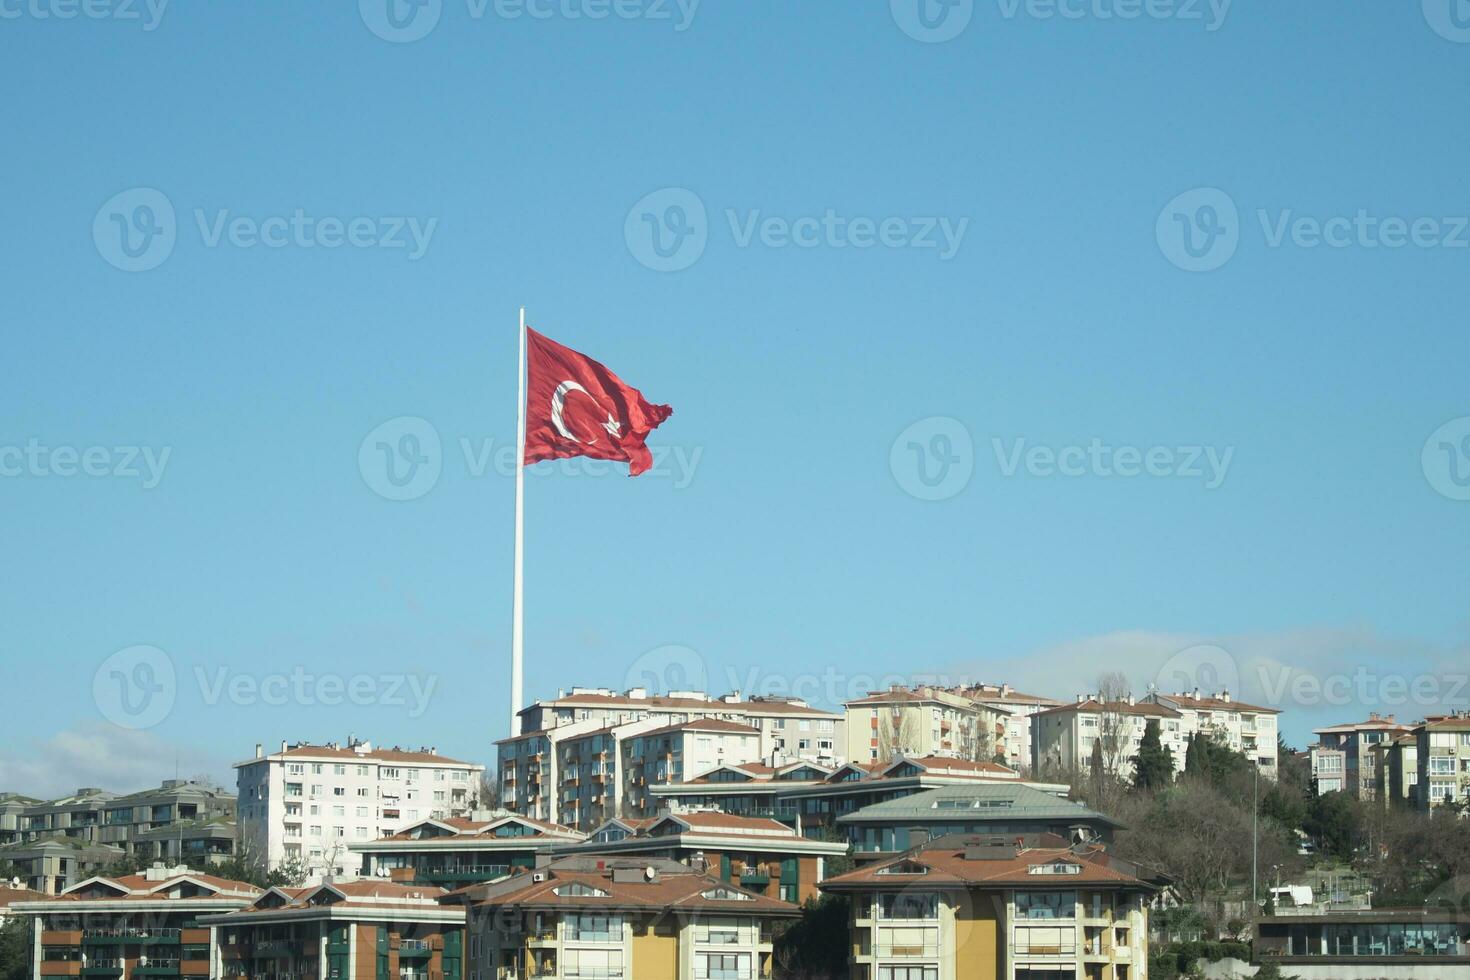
x: 1443, y: 757
x: 1016, y: 710
x: 1246, y: 728
x: 1062, y: 738
x: 309, y: 803
x: 566, y: 765
x: 922, y: 721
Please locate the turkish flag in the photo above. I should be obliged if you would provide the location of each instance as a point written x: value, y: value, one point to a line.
x: 577, y: 407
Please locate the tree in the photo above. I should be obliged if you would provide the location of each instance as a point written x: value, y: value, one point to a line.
x: 1154, y: 765
x: 1115, y: 726
x: 895, y: 735
x: 1334, y: 822
x: 487, y: 796
x: 15, y: 948
x: 815, y: 947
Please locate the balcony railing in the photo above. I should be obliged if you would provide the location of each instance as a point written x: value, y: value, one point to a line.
x: 1045, y: 949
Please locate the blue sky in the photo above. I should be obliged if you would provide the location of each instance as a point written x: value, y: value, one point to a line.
x: 787, y: 542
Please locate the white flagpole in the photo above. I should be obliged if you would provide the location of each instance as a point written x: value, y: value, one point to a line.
x: 516, y: 628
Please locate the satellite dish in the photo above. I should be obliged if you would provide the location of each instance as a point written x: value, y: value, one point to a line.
x: 649, y: 873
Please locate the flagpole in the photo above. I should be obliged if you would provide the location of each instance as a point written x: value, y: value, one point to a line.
x: 517, y: 636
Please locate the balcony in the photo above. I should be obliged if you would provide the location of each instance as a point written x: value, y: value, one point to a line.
x: 462, y: 874
x: 130, y: 937
x: 157, y: 968
x: 102, y: 968
x: 417, y: 949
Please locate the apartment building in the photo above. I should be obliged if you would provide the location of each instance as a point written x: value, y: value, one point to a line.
x: 753, y: 853
x: 1246, y: 728
x: 922, y: 721
x: 1344, y: 757
x: 198, y: 843
x: 307, y: 804
x: 668, y: 754
x: 53, y: 864
x: 1374, y: 944
x: 590, y: 726
x: 1062, y: 738
x: 101, y: 817
x: 1396, y: 762
x: 344, y: 930
x: 1442, y: 746
x: 12, y: 811
x: 459, y: 851
x: 988, y: 908
x: 145, y: 925
x: 1015, y: 710
x: 617, y: 918
x: 882, y: 830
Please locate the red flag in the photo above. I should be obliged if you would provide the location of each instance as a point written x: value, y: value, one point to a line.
x: 577, y: 407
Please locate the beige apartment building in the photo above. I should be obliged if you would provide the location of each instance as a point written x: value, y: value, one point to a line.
x: 1346, y: 759
x: 1443, y: 757
x: 922, y: 721
x: 566, y: 765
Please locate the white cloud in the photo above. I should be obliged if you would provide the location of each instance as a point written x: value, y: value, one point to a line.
x: 1314, y: 676
x: 101, y: 755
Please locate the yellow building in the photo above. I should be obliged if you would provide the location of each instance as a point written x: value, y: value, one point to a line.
x: 967, y: 907
x: 619, y: 919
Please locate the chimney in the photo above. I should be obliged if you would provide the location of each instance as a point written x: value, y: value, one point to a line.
x: 259, y: 751
x: 1225, y: 695
x: 1195, y: 695
x: 1005, y: 690
x: 283, y: 745
x: 1130, y: 698
x: 1081, y: 699
x: 1390, y: 719
x: 1373, y: 716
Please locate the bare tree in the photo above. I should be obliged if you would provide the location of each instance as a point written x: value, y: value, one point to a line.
x: 1115, y: 726
x: 487, y: 794
x: 896, y: 735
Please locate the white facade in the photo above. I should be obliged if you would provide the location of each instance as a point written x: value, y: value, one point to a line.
x: 1246, y: 728
x: 311, y: 802
x: 566, y: 765
x: 1016, y: 709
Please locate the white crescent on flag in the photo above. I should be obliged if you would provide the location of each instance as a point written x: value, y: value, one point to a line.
x: 558, y: 402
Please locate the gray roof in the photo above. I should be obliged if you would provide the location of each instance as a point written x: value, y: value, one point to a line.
x: 977, y: 803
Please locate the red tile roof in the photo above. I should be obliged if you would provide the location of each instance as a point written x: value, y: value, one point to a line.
x: 669, y: 891
x: 1142, y: 708
x: 945, y: 863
